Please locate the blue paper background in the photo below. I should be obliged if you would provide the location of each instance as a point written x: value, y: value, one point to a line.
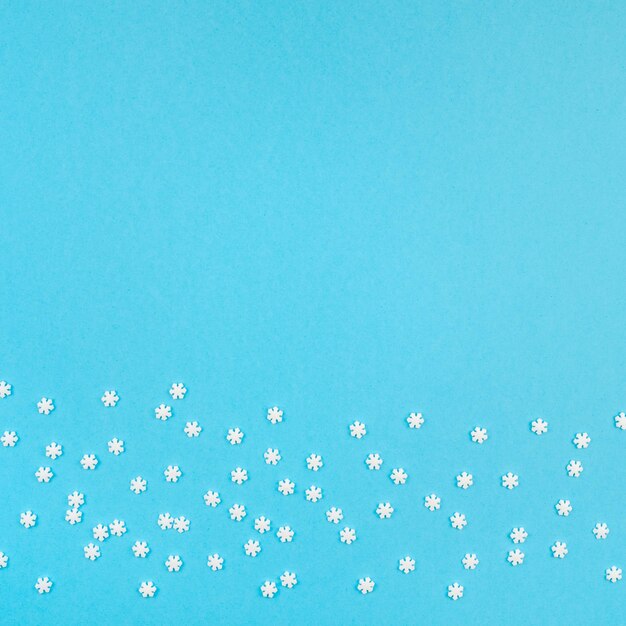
x: 353, y: 210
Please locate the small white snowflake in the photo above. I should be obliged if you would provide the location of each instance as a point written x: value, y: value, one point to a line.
x: 100, y: 532
x: 334, y: 515
x: 357, y: 429
x: 620, y: 421
x: 73, y: 516
x: 272, y: 456
x: 181, y: 524
x: 347, y: 535
x: 4, y: 560
x: 192, y: 429
x: 286, y: 486
x: 54, y: 450
x: 515, y: 557
x: 384, y: 510
x: 172, y: 473
x: 9, y: 439
x: 138, y: 485
x: 313, y: 493
x: 574, y: 468
x: 563, y: 507
x: 464, y: 480
x: 43, y: 585
x: 116, y: 446
x: 479, y: 435
x: 262, y: 524
x: 5, y: 389
x: 163, y: 412
x: 234, y: 436
x: 415, y: 420
x: 406, y: 565
x: 173, y: 563
x: 432, y: 502
x: 288, y: 579
x: 178, y: 391
x: 559, y: 550
x: 539, y: 426
x: 518, y: 535
x: 44, y: 474
x: 458, y: 521
x: 237, y: 512
x: 581, y: 440
x: 274, y: 415
x: 165, y: 521
x: 28, y: 519
x: 147, y: 589
x: 470, y: 561
x: 373, y: 461
x: 365, y: 585
x: 45, y: 406
x: 269, y: 589
x: 285, y: 534
x: 140, y: 549
x: 455, y: 591
x: 398, y: 476
x: 601, y: 531
x: 613, y: 574
x: 117, y: 528
x: 510, y: 480
x: 75, y: 499
x: 89, y: 461
x: 110, y: 398
x: 92, y: 551
x: 215, y: 562
x: 314, y: 462
x: 252, y: 547
x: 212, y: 498
x: 239, y: 475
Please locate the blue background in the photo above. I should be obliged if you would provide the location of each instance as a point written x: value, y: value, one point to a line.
x: 353, y: 210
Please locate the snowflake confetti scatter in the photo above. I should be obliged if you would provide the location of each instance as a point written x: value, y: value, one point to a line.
x: 458, y: 521
x: 406, y: 565
x: 347, y: 535
x: 100, y: 532
x: 110, y: 398
x: 365, y: 585
x: 192, y: 429
x: 286, y: 487
x: 455, y: 591
x: 373, y: 461
x: 613, y: 574
x: 178, y: 391
x: 314, y: 462
x: 563, y: 507
x: 92, y: 551
x: 358, y: 430
x: 75, y: 499
x: 313, y: 493
x: 140, y: 549
x: 515, y: 557
x: 117, y: 528
x: 539, y: 426
x: 165, y: 521
x: 181, y: 524
x: 285, y: 534
x: 89, y: 461
x: 43, y: 585
x: 28, y: 519
x: 470, y: 561
x: 269, y: 589
x: 384, y: 510
x: 620, y: 421
x: 5, y: 389
x: 432, y: 502
x: 237, y: 512
x: 116, y: 446
x: 581, y: 440
x: 262, y: 524
x: 398, y: 476
x: 45, y: 406
x: 559, y: 550
x: 73, y: 516
x: 215, y: 562
x: 147, y: 589
x: 479, y: 435
x: 464, y: 480
x: 234, y: 436
x: 4, y: 560
x: 274, y: 415
x: 44, y: 474
x: 212, y: 498
x: 601, y: 530
x: 9, y: 439
x: 163, y: 412
x: 172, y: 473
x: 54, y: 450
x: 138, y: 485
x: 574, y: 469
x: 252, y: 547
x: 173, y: 563
x: 518, y: 535
x: 288, y: 579
x: 415, y: 420
x: 239, y: 475
x: 510, y: 480
x: 272, y: 456
x: 334, y: 515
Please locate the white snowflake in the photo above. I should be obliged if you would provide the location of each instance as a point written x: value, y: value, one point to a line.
x: 406, y: 565
x: 515, y: 557
x: 75, y: 499
x: 100, y: 532
x: 563, y: 507
x: 45, y: 406
x: 285, y: 534
x: 347, y: 535
x: 4, y: 560
x: 574, y: 468
x: 464, y: 480
x: 147, y: 589
x: 518, y: 535
x: 178, y: 391
x: 9, y: 439
x: 140, y: 549
x: 73, y: 516
x: 239, y: 475
x: 274, y: 415
x: 215, y: 562
x: 269, y: 589
x: 262, y: 524
x: 432, y: 502
x: 234, y: 436
x: 28, y: 519
x: 373, y: 461
x: 252, y: 547
x: 357, y: 429
x: 455, y: 591
x: 44, y: 474
x: 272, y: 456
x: 384, y: 510
x: 286, y: 486
x: 89, y: 461
x: 173, y: 563
x: 181, y: 524
x: 116, y: 446
x: 237, y: 512
x: 479, y: 435
x: 415, y: 420
x: 54, y: 450
x: 581, y: 440
x: 334, y: 515
x: 92, y: 551
x: 620, y: 421
x: 458, y: 521
x: 110, y: 398
x: 601, y: 531
x: 365, y: 585
x: 314, y: 462
x: 138, y: 485
x: 212, y: 498
x: 163, y: 412
x: 559, y: 550
x: 165, y: 521
x: 313, y: 493
x: 510, y: 480
x: 43, y: 585
x: 192, y: 429
x: 470, y: 561
x: 539, y: 426
x: 613, y: 574
x: 398, y: 476
x: 117, y: 528
x: 288, y: 579
x: 172, y: 473
x: 5, y: 389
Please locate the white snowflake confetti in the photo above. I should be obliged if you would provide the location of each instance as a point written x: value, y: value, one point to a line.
x: 458, y: 521
x: 215, y: 562
x: 147, y: 589
x: 262, y: 524
x: 28, y: 519
x: 601, y: 530
x: 334, y: 515
x: 92, y: 551
x: 44, y: 475
x: 272, y: 456
x: 54, y: 450
x: 89, y: 461
x: 539, y: 426
x: 234, y: 436
x: 173, y: 563
x: 559, y: 550
x: 563, y: 507
x: 455, y: 591
x: 45, y: 406
x: 313, y: 493
x: 510, y: 480
x: 286, y: 487
x: 237, y: 512
x: 110, y: 398
x: 384, y: 510
x: 581, y: 440
x: 358, y: 430
x: 574, y: 468
x: 163, y: 412
x: 252, y: 547
x: 140, y: 549
x: 172, y: 473
x: 269, y: 589
x: 5, y: 389
x: 518, y: 535
x: 347, y: 535
x: 398, y: 476
x: 314, y: 462
x: 432, y: 502
x: 464, y: 480
x: 285, y: 534
x: 288, y: 579
x: 366, y: 585
x: 406, y: 565
x: 43, y: 585
x: 138, y: 485
x: 100, y: 532
x: 470, y: 561
x: 117, y: 528
x: 415, y: 420
x: 373, y: 461
x: 515, y: 557
x: 212, y: 498
x: 274, y: 415
x: 479, y: 435
x: 613, y: 574
x: 9, y: 439
x: 178, y: 391
x: 116, y: 446
x: 192, y: 429
x: 73, y: 516
x: 620, y: 421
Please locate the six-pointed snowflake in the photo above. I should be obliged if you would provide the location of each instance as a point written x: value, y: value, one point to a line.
x: 464, y: 480
x: 314, y: 462
x: 45, y: 406
x: 563, y: 507
x: 455, y: 591
x: 601, y: 530
x: 274, y: 415
x: 470, y: 561
x: 192, y: 429
x: 347, y: 535
x: 406, y: 565
x: 479, y: 435
x: 9, y: 439
x: 432, y: 502
x: 357, y: 429
x: 252, y: 547
x: 110, y: 398
x: 415, y: 420
x: 116, y: 446
x: 272, y: 456
x: 559, y: 549
x: 163, y: 412
x: 581, y: 440
x: 178, y: 391
x: 54, y: 450
x: 366, y: 585
x: 172, y: 473
x: 510, y: 480
x: 147, y: 589
x: 458, y: 521
x: 613, y: 574
x: 539, y: 426
x: 384, y: 510
x: 234, y: 436
x: 373, y: 461
x: 140, y: 549
x: 574, y: 468
x: 173, y: 563
x: 515, y: 557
